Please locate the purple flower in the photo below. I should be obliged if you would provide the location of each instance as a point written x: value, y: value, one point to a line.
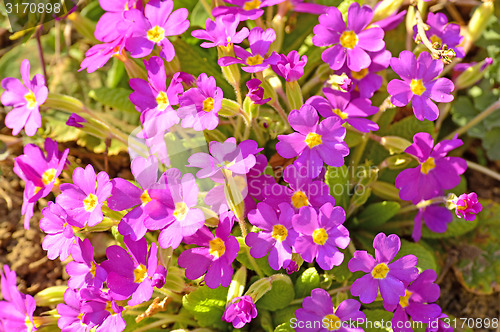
x: 467, y: 206
x: 221, y: 31
x: 125, y: 195
x: 83, y: 200
x: 25, y: 97
x: 439, y: 324
x: 277, y: 236
x: 290, y: 67
x: 16, y: 312
x: 390, y: 278
x: 313, y: 142
x: 214, y: 255
x: 102, y: 311
x: 247, y: 9
x: 98, y: 55
x: 153, y: 28
x: 340, y: 105
x: 240, y: 311
x: 255, y: 60
x: 303, y: 191
x: 227, y: 156
x: 444, y: 33
x: 180, y: 217
x: 60, y: 236
x: 154, y: 99
x: 321, y: 234
x: 199, y: 106
x: 302, y: 6
x: 416, y: 302
x: 133, y: 272
x: 40, y: 172
x: 436, y: 218
x: 83, y: 270
x: 419, y: 84
x: 256, y: 92
x: 71, y: 318
x: 113, y: 23
x: 318, y: 314
x: 435, y: 173
x: 350, y: 43
x: 75, y: 120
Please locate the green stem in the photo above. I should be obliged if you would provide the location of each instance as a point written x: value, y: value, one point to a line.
x: 480, y: 117
x: 205, y: 5
x: 483, y: 170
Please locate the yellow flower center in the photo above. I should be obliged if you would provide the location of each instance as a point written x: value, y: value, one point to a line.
x: 403, y: 300
x: 342, y: 115
x: 348, y: 39
x: 280, y: 233
x: 332, y: 322
x: 417, y: 87
x: 357, y: 75
x: 140, y: 273
x: 380, y: 271
x: 217, y: 247
x: 208, y: 104
x: 313, y: 139
x: 162, y: 101
x: 320, y: 236
x: 459, y: 207
x: 436, y: 39
x: 180, y: 211
x: 30, y: 99
x: 90, y: 202
x: 93, y: 269
x: 156, y: 34
x: 253, y: 4
x: 255, y: 60
x: 145, y: 198
x: 428, y: 165
x: 48, y: 176
x: 299, y: 199
x: 30, y: 326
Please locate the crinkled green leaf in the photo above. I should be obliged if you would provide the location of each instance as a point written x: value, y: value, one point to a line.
x: 207, y: 305
x: 377, y: 214
x: 114, y: 97
x: 283, y: 316
x: 280, y: 295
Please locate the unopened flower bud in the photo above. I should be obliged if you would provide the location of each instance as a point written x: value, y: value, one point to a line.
x: 480, y: 19
x: 472, y: 74
x: 394, y: 144
x: 386, y: 8
x: 50, y: 296
x: 238, y: 283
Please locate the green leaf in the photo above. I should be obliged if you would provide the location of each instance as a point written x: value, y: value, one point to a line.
x: 280, y: 295
x: 207, y: 305
x: 283, y: 316
x: 337, y: 178
x: 426, y: 258
x: 478, y: 269
x: 491, y: 143
x: 378, y: 213
x: 198, y: 15
x: 375, y: 319
x: 114, y: 97
x: 308, y: 280
x: 304, y: 27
